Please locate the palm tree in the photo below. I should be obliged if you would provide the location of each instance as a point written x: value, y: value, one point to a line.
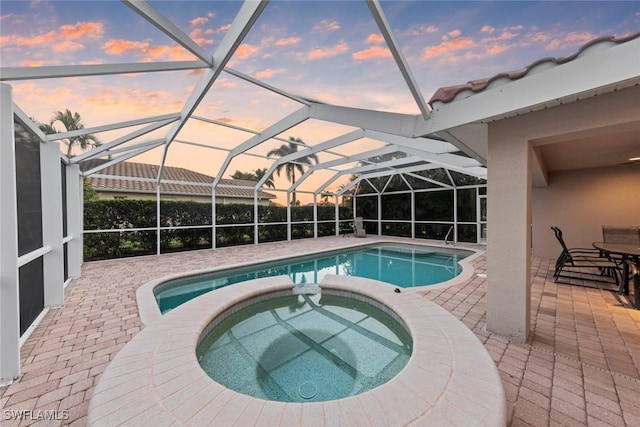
x: 243, y: 175
x: 290, y: 168
x: 259, y: 173
x: 70, y: 121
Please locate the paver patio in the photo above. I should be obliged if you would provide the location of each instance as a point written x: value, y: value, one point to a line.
x: 581, y: 365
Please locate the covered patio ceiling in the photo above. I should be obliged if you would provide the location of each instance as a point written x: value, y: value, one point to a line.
x: 449, y: 134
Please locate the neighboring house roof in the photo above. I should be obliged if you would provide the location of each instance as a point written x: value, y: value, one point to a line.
x: 144, y: 176
x: 451, y: 93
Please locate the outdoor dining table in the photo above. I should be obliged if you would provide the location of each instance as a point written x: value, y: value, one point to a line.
x: 628, y: 252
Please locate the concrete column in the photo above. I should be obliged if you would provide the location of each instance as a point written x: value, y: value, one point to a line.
x: 53, y: 261
x: 75, y: 219
x: 509, y: 234
x: 9, y: 303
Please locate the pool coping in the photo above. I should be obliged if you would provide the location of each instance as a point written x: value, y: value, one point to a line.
x: 450, y: 378
x: 150, y: 312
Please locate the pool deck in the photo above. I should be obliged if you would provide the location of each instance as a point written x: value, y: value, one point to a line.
x: 580, y: 366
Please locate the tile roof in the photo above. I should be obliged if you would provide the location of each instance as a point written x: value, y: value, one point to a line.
x: 450, y: 93
x: 170, y: 173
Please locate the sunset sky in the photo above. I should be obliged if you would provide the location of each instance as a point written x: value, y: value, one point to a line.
x: 331, y: 51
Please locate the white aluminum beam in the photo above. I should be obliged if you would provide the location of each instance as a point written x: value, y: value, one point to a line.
x: 360, y: 169
x: 432, y: 181
x: 153, y: 142
x: 358, y: 157
x: 9, y: 284
x: 276, y: 129
x: 388, y: 164
x: 398, y: 56
x: 28, y: 123
x: 394, y: 123
x: 51, y: 196
x: 244, y: 20
x: 264, y: 85
x: 126, y: 138
x: 434, y: 151
x: 169, y: 28
x: 75, y: 214
x: 340, y: 140
x: 60, y: 71
x: 230, y: 126
x: 113, y: 126
x: 122, y: 158
x: 425, y: 144
x: 465, y: 146
x: 386, y: 173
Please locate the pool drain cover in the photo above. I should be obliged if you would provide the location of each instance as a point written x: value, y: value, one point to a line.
x: 307, y: 390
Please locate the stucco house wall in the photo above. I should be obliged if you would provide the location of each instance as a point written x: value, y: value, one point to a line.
x: 579, y: 202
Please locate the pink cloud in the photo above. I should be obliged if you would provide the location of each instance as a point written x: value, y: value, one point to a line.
x: 145, y: 50
x: 326, y: 52
x: 571, y: 39
x: 540, y: 37
x: 372, y: 53
x: 449, y: 46
x: 135, y: 100
x: 497, y: 49
x: 245, y: 50
x: 119, y: 46
x: 201, y: 20
x: 226, y: 84
x: 92, y: 62
x: 374, y: 39
x: 265, y: 74
x: 90, y: 30
x: 454, y: 33
x: 32, y: 63
x: 64, y: 37
x: 423, y: 29
x: 200, y: 36
x: 289, y: 41
x: 487, y: 29
x: 504, y: 36
x: 223, y: 29
x: 326, y: 26
x: 173, y: 52
x: 67, y: 46
x: 34, y: 41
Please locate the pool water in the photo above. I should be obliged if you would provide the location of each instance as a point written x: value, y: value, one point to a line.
x: 400, y: 265
x: 305, y: 348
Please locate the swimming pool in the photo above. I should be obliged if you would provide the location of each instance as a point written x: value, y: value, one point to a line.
x: 404, y: 266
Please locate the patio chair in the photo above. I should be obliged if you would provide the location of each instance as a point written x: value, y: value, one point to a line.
x: 634, y: 273
x: 584, y: 263
x: 616, y: 234
x: 358, y: 227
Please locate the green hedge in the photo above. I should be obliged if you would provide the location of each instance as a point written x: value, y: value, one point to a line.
x: 121, y: 214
